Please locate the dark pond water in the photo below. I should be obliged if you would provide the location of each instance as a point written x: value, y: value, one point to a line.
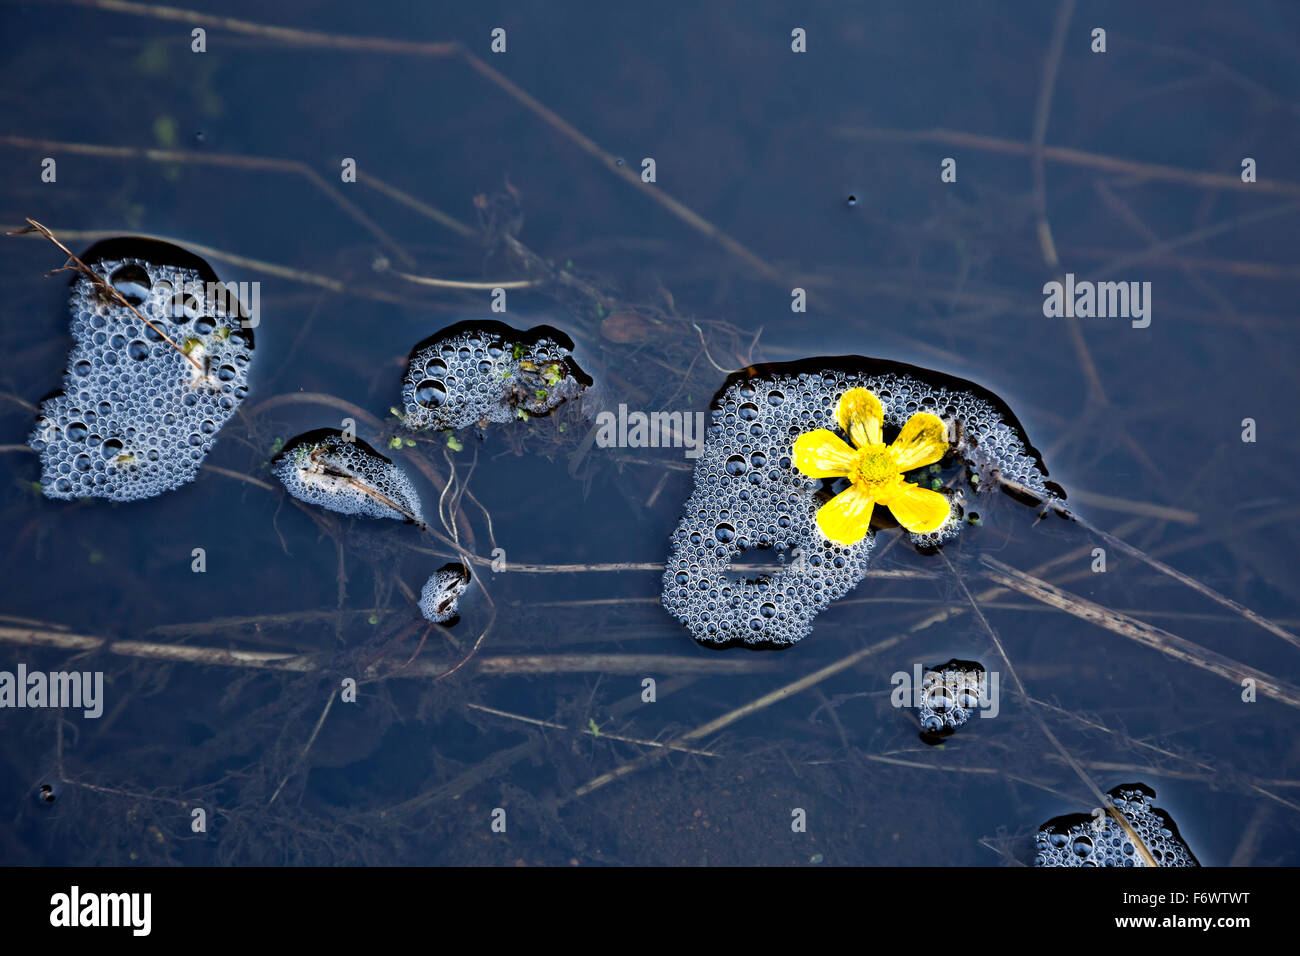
x: 490, y: 168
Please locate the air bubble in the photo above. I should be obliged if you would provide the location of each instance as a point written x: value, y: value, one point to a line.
x: 132, y: 282
x: 430, y: 393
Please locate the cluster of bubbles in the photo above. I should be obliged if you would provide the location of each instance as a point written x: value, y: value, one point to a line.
x: 481, y: 371
x: 950, y: 696
x: 1099, y: 840
x: 136, y: 417
x: 749, y: 498
x: 441, y: 593
x: 346, y: 475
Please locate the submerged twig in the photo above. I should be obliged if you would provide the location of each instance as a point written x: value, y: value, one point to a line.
x: 589, y: 732
x: 464, y: 284
x: 1075, y: 157
x: 318, y: 465
x: 1074, y: 764
x: 767, y: 700
x: 503, y: 665
x: 1119, y: 543
x: 1147, y: 634
x: 306, y: 747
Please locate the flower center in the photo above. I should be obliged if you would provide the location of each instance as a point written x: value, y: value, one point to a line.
x: 874, y: 470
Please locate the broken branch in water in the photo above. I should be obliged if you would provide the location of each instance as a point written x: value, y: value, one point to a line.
x: 105, y: 287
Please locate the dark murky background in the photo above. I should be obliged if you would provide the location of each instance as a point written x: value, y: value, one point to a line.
x: 767, y: 146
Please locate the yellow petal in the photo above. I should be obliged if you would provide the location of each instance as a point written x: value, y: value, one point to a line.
x: 923, y: 441
x: 859, y: 414
x: 823, y: 454
x: 917, y: 509
x: 846, y: 518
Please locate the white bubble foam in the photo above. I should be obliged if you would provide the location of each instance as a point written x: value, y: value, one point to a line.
x: 349, y: 477
x: 749, y: 498
x: 488, y: 372
x: 136, y: 417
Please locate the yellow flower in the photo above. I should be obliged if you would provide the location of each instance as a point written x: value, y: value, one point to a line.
x: 874, y: 470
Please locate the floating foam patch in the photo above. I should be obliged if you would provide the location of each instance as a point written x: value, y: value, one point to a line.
x: 441, y: 593
x: 483, y: 371
x: 350, y: 477
x: 1099, y: 840
x: 136, y: 417
x: 950, y: 695
x: 749, y: 498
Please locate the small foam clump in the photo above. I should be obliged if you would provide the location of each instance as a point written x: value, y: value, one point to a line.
x: 323, y: 468
x: 476, y: 372
x: 1099, y: 840
x: 950, y: 696
x: 441, y: 593
x: 135, y: 417
x: 749, y: 498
